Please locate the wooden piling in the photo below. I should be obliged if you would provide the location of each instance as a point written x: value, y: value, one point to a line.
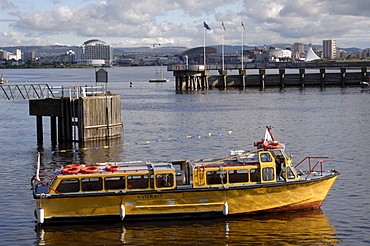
x: 39, y: 127
x: 53, y: 129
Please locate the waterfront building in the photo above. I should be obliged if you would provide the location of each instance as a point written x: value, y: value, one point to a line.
x: 364, y: 53
x: 279, y: 53
x: 341, y: 54
x: 298, y: 48
x: 4, y: 55
x: 95, y: 52
x: 29, y: 56
x: 329, y: 49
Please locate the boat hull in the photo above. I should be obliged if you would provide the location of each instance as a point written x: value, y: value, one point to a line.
x: 212, y: 201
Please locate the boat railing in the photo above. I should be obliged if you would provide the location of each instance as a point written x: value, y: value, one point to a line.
x: 38, y: 180
x: 312, y: 167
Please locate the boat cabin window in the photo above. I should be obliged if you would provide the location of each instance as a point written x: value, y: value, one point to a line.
x: 216, y: 177
x: 92, y: 184
x: 164, y: 180
x: 255, y: 175
x: 137, y: 182
x: 114, y: 183
x: 268, y: 173
x: 266, y: 157
x: 238, y: 176
x: 68, y: 185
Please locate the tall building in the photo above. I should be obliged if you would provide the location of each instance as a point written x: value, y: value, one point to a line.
x: 298, y: 48
x: 329, y: 49
x: 29, y: 56
x: 95, y: 52
x: 4, y: 55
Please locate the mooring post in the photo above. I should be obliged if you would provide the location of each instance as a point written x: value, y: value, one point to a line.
x: 282, y: 76
x: 262, y: 77
x: 223, y: 73
x: 343, y: 75
x: 301, y: 76
x: 177, y: 83
x: 242, y: 73
x: 364, y: 74
x: 322, y: 75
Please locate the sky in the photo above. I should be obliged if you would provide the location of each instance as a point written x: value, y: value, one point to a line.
x: 135, y: 23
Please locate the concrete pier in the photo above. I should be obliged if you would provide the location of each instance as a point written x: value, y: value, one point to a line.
x: 197, y: 78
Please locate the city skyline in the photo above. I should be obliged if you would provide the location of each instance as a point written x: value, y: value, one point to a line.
x: 180, y: 22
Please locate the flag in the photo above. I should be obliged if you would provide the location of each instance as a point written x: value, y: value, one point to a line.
x: 268, y: 136
x: 206, y: 26
x: 243, y: 26
x: 223, y: 26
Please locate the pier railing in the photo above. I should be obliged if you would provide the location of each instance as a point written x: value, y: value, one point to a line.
x: 25, y: 91
x: 43, y: 91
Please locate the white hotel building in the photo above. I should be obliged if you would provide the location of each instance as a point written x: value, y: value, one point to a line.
x: 95, y: 52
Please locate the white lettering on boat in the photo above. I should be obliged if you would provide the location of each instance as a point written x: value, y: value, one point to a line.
x: 149, y: 196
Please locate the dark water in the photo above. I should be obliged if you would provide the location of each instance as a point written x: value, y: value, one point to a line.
x: 160, y: 124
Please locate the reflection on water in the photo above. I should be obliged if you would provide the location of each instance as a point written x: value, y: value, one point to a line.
x: 312, y: 121
x: 294, y: 228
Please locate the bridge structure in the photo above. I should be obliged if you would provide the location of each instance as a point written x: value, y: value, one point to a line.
x: 198, y: 77
x: 25, y: 91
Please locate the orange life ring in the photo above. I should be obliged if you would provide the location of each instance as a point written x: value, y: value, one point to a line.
x: 271, y: 145
x: 70, y: 170
x: 90, y: 169
x: 75, y: 166
x: 112, y: 168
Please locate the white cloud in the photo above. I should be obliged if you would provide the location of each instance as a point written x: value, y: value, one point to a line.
x: 6, y: 4
x: 14, y: 39
x: 266, y: 21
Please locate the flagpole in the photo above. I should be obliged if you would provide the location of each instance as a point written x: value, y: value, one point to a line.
x: 222, y: 47
x: 242, y: 48
x: 206, y: 27
x: 204, y: 49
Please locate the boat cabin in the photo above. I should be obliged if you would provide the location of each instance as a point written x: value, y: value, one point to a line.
x: 240, y: 169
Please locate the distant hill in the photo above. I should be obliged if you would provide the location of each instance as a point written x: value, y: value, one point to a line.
x: 55, y: 50
x: 42, y: 50
x: 149, y: 50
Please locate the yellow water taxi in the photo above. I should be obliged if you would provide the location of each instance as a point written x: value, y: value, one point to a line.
x: 247, y: 182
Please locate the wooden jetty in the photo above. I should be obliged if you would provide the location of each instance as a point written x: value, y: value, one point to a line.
x: 198, y: 77
x: 79, y: 119
x: 88, y: 113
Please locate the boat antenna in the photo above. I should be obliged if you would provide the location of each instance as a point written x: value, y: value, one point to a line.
x: 38, y: 166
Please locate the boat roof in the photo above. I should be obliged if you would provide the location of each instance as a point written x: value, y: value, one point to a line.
x: 126, y: 167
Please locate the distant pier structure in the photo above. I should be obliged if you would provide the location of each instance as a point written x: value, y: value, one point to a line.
x: 82, y: 114
x: 198, y: 77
